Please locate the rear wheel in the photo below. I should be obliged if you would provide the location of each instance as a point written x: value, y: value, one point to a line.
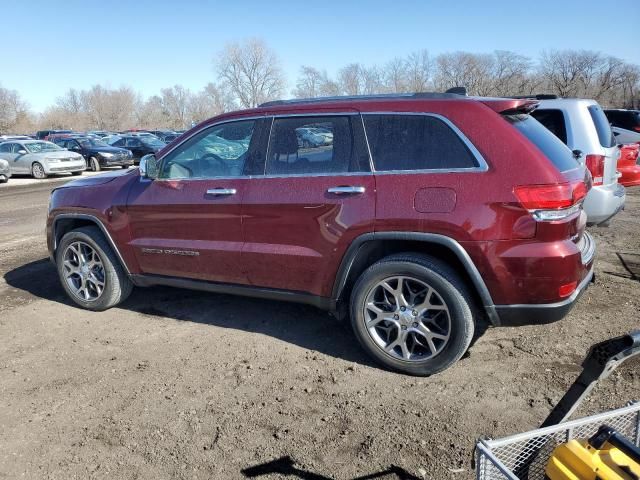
x: 37, y: 171
x: 413, y: 314
x: 95, y: 164
x: 89, y: 270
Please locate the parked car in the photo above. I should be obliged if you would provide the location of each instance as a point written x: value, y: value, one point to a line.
x: 629, y: 165
x: 409, y: 230
x: 40, y: 159
x: 313, y: 137
x: 138, y: 145
x: 582, y: 125
x: 44, y: 134
x: 624, y: 136
x: 6, y: 138
x: 97, y: 153
x: 5, y: 171
x: 627, y: 119
x: 166, y: 136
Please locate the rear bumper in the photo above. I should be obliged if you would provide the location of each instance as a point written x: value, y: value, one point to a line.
x: 603, y: 202
x: 531, y: 314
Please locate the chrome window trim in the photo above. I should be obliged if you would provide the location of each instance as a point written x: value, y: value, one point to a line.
x: 483, y: 166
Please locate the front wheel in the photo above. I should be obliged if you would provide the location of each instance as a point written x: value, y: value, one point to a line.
x: 95, y: 164
x: 37, y: 171
x: 413, y: 314
x: 89, y: 270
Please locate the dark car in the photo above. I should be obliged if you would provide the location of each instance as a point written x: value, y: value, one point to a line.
x: 167, y: 136
x: 44, y: 134
x: 425, y: 216
x: 97, y: 153
x: 627, y: 119
x: 139, y: 145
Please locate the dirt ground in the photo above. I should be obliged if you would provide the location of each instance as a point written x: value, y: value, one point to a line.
x: 188, y: 385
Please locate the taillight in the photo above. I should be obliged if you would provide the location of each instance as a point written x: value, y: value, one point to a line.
x: 551, y: 202
x: 595, y: 164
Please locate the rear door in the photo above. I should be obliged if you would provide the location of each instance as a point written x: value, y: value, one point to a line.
x: 187, y: 223
x: 316, y: 196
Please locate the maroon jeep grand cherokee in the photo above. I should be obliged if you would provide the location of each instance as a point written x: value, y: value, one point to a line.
x: 418, y: 216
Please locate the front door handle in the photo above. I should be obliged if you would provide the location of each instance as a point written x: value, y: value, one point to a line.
x: 346, y: 190
x: 221, y: 191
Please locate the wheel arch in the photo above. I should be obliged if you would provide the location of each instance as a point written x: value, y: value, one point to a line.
x: 66, y: 222
x: 369, y: 248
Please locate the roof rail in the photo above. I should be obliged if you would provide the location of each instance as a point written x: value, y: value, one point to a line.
x: 537, y: 96
x: 379, y: 96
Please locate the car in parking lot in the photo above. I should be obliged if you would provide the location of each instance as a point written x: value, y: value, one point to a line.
x: 622, y: 118
x: 624, y: 136
x: 5, y: 171
x: 96, y: 153
x: 582, y: 125
x: 40, y: 159
x: 629, y: 165
x: 44, y: 134
x: 400, y: 223
x: 138, y: 145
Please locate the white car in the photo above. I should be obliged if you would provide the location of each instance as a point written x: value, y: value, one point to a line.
x: 40, y: 159
x: 624, y: 136
x: 583, y: 127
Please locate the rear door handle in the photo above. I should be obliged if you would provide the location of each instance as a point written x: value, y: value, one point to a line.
x: 346, y: 190
x: 221, y: 191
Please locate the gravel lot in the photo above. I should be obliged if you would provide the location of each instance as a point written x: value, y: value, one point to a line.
x: 180, y: 384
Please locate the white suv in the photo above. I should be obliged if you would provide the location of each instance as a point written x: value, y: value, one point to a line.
x: 584, y: 127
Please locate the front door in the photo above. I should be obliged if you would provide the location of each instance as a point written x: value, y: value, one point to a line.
x: 187, y: 223
x: 316, y: 196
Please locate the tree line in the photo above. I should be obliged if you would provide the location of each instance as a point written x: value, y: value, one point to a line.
x: 248, y: 73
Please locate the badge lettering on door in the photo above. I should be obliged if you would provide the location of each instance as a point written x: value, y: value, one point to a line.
x: 169, y: 251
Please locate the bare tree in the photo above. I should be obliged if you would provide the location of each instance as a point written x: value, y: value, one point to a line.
x: 311, y: 83
x: 350, y: 79
x: 212, y: 100
x: 464, y: 69
x: 13, y: 110
x: 419, y: 71
x: 251, y: 71
x: 175, y: 101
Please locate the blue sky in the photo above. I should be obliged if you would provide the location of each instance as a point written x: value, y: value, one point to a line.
x: 49, y: 47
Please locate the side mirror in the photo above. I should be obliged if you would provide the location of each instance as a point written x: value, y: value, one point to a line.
x: 149, y: 166
x: 22, y: 152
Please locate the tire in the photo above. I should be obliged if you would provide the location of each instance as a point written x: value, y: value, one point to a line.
x: 125, y: 166
x: 37, y: 171
x: 116, y: 284
x: 449, y: 305
x: 95, y: 164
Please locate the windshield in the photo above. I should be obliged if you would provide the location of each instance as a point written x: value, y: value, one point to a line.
x: 151, y: 141
x: 553, y: 148
x: 37, y: 147
x: 91, y: 142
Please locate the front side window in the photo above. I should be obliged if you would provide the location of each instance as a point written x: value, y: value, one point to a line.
x: 415, y: 142
x: 315, y: 145
x: 220, y: 151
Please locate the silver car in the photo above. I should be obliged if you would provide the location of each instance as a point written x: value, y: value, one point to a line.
x: 625, y: 136
x: 39, y: 158
x: 583, y: 127
x: 5, y: 171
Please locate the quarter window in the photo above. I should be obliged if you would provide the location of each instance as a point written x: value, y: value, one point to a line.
x: 316, y: 145
x: 415, y: 142
x: 553, y: 120
x: 220, y: 151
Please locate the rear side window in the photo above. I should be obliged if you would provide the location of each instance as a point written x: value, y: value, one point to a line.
x: 315, y: 145
x: 553, y: 148
x: 605, y: 135
x: 553, y: 120
x: 415, y: 142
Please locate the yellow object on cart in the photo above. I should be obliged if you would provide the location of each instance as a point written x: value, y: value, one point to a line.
x: 577, y: 460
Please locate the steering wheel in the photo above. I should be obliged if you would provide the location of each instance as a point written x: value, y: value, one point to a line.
x: 216, y: 160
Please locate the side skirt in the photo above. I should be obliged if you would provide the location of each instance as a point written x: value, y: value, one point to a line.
x: 322, y: 303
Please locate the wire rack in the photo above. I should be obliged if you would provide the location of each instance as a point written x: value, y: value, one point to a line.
x: 524, y: 456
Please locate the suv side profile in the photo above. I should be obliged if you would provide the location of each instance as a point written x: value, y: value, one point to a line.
x: 582, y: 125
x: 423, y: 217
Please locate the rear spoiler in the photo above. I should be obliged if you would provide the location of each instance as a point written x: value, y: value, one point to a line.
x: 510, y: 106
